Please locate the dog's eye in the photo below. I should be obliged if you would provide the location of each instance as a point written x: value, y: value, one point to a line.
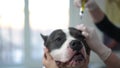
x: 58, y: 39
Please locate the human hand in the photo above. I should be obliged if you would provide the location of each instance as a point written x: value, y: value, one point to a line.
x: 90, y: 4
x: 48, y: 61
x: 94, y: 41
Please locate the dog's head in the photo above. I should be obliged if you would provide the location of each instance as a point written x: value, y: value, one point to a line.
x: 67, y: 47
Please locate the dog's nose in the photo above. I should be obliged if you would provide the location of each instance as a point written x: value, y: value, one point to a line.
x: 76, y: 45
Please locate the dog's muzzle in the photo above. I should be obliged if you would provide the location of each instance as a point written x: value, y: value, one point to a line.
x: 75, y: 45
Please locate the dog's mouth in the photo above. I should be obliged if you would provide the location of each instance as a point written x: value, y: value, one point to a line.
x: 77, y: 58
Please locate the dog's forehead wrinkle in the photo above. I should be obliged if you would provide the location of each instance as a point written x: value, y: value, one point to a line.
x: 57, y: 33
x: 56, y: 39
x: 68, y: 35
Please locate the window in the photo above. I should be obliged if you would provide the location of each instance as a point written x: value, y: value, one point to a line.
x: 11, y: 31
x: 48, y: 14
x: 44, y: 16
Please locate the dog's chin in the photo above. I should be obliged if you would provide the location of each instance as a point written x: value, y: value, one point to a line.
x: 76, y: 61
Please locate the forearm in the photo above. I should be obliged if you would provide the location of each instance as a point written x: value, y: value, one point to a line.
x: 95, y: 12
x: 113, y: 61
x: 108, y: 28
x: 103, y: 23
x: 110, y: 59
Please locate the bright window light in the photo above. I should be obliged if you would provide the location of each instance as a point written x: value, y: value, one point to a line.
x: 45, y: 16
x: 11, y: 31
x: 12, y: 14
x: 49, y: 14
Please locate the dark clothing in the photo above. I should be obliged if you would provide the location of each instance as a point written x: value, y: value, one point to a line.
x: 109, y: 29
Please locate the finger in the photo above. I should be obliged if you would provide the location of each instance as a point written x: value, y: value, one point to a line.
x: 46, y: 49
x: 48, y: 56
x: 81, y: 27
x: 85, y: 34
x: 44, y: 60
x: 84, y: 28
x: 46, y: 53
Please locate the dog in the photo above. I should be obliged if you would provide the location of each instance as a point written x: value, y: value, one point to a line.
x: 68, y: 48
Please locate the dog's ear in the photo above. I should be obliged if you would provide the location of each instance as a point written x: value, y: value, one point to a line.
x: 76, y: 33
x: 44, y: 38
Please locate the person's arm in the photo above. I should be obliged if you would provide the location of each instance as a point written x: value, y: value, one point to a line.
x: 101, y: 20
x: 103, y: 23
x: 94, y: 42
x: 94, y: 10
x: 113, y: 61
x: 108, y: 28
x: 96, y: 13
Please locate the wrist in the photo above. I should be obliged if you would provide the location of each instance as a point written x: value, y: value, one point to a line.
x: 104, y: 52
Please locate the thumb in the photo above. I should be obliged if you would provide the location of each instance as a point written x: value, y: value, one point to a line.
x: 47, y: 54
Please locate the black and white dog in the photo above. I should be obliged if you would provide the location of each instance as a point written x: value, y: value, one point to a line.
x: 68, y: 48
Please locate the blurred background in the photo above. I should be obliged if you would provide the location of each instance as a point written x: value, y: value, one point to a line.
x: 22, y: 21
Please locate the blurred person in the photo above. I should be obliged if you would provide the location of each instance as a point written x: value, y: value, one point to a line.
x: 100, y: 19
